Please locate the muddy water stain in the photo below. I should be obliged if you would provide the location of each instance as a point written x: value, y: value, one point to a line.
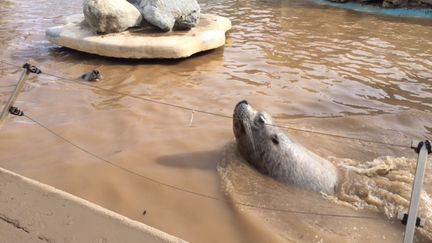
x: 308, y: 66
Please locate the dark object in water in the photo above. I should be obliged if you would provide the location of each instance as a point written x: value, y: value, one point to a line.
x: 91, y: 76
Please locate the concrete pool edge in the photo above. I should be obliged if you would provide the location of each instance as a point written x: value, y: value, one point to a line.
x: 35, y: 212
x: 421, y: 13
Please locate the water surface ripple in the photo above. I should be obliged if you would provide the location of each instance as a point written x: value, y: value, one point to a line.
x: 370, y: 76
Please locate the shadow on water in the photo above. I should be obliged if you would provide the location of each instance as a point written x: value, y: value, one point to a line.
x: 206, y: 160
x: 74, y: 56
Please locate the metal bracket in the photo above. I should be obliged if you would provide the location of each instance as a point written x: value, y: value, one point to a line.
x: 7, y: 108
x: 403, y: 217
x: 15, y: 111
x: 417, y: 145
x: 31, y: 69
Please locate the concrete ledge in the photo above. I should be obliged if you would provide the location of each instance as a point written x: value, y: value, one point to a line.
x: 425, y: 13
x: 143, y: 42
x: 34, y: 212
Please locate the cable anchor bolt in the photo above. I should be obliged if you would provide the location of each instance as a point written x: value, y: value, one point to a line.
x: 31, y: 69
x: 15, y: 111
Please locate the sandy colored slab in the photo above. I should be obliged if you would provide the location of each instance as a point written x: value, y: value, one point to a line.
x: 34, y: 212
x: 145, y: 42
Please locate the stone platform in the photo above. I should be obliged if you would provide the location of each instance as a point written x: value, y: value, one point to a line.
x: 143, y: 42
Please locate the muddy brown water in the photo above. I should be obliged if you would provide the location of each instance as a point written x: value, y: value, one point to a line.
x: 308, y: 66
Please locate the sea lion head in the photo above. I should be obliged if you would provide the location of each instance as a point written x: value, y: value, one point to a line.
x: 266, y: 147
x: 255, y: 134
x: 91, y: 76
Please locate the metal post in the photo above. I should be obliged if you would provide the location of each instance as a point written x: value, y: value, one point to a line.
x: 416, y: 190
x: 27, y: 70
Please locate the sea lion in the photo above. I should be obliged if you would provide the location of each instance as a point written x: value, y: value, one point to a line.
x: 272, y: 152
x: 93, y: 75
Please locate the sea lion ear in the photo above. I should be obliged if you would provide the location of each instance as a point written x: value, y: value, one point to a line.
x: 275, y: 139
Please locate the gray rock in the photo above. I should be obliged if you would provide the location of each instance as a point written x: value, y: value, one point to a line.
x: 169, y: 14
x: 108, y: 16
x: 426, y: 3
x: 394, y: 3
x: 339, y: 1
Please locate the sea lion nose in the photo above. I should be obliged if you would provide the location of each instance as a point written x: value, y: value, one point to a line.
x: 243, y: 102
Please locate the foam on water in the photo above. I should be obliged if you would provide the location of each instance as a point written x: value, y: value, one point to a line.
x: 383, y: 184
x: 379, y: 188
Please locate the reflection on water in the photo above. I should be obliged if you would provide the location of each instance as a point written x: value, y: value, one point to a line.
x: 369, y: 76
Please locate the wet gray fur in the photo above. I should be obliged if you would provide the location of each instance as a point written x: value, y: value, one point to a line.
x: 273, y: 153
x: 91, y: 76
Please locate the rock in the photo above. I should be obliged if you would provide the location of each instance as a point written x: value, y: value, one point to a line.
x: 427, y: 3
x: 394, y: 3
x: 339, y: 1
x: 142, y: 42
x: 169, y: 14
x: 110, y: 16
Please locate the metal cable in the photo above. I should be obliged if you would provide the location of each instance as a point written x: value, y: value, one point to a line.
x: 216, y: 114
x: 189, y: 191
x: 204, y: 112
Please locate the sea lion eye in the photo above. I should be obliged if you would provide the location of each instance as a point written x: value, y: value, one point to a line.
x: 275, y: 139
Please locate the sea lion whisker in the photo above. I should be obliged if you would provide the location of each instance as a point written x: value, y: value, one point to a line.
x: 248, y: 131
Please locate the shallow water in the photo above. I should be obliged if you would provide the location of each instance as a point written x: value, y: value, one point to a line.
x: 308, y: 66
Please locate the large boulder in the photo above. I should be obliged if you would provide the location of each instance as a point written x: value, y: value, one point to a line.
x: 109, y: 16
x: 169, y: 14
